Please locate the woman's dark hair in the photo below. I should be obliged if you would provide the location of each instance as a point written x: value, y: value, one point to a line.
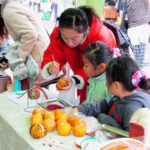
x: 3, y: 30
x: 98, y: 53
x: 121, y: 69
x: 77, y: 18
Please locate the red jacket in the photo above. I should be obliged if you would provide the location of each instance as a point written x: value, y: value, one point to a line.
x: 62, y: 53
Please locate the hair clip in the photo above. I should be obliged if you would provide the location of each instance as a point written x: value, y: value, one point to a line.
x: 136, y: 77
x: 116, y: 53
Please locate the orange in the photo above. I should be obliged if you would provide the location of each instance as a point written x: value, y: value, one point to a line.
x: 36, y: 121
x: 49, y: 125
x: 59, y: 111
x: 71, y: 119
x: 60, y: 121
x: 79, y: 130
x: 61, y: 116
x: 36, y: 111
x: 43, y: 112
x: 61, y: 83
x: 79, y: 121
x: 64, y: 128
x: 50, y: 115
x: 37, y: 116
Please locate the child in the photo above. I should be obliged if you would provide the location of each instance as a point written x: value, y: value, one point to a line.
x: 123, y: 77
x: 96, y: 57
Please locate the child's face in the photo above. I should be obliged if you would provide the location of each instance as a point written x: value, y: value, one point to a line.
x: 89, y: 68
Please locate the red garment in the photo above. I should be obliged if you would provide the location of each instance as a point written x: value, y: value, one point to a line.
x: 62, y: 53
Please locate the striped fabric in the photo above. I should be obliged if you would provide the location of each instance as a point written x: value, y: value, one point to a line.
x: 139, y: 53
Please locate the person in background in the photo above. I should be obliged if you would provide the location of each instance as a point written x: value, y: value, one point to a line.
x: 123, y: 77
x: 138, y: 14
x: 3, y: 36
x: 77, y: 28
x: 4, y: 43
x: 25, y: 28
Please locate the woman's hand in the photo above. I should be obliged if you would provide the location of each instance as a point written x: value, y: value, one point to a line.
x: 54, y: 67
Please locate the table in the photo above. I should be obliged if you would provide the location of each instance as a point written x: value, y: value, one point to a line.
x: 15, y: 125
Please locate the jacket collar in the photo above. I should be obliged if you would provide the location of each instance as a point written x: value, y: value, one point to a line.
x: 100, y: 77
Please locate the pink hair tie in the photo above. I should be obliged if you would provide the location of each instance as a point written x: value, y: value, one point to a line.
x: 136, y: 77
x: 116, y: 52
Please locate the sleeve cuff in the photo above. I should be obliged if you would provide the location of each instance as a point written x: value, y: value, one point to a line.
x: 81, y: 84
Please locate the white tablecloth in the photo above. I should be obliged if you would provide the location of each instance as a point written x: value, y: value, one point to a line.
x: 15, y: 125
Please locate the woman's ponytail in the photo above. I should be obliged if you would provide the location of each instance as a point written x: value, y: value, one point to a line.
x: 90, y: 12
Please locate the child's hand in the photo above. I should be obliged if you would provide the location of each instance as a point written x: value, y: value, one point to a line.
x: 74, y: 111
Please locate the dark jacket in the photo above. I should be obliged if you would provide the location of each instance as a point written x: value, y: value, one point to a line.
x: 115, y: 111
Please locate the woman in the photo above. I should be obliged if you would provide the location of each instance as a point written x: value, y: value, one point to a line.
x: 77, y: 28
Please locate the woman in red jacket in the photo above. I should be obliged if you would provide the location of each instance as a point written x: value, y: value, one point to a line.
x: 77, y: 28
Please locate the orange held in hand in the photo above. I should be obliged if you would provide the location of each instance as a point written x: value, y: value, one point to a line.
x: 64, y: 128
x: 61, y: 83
x: 49, y: 125
x: 79, y: 130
